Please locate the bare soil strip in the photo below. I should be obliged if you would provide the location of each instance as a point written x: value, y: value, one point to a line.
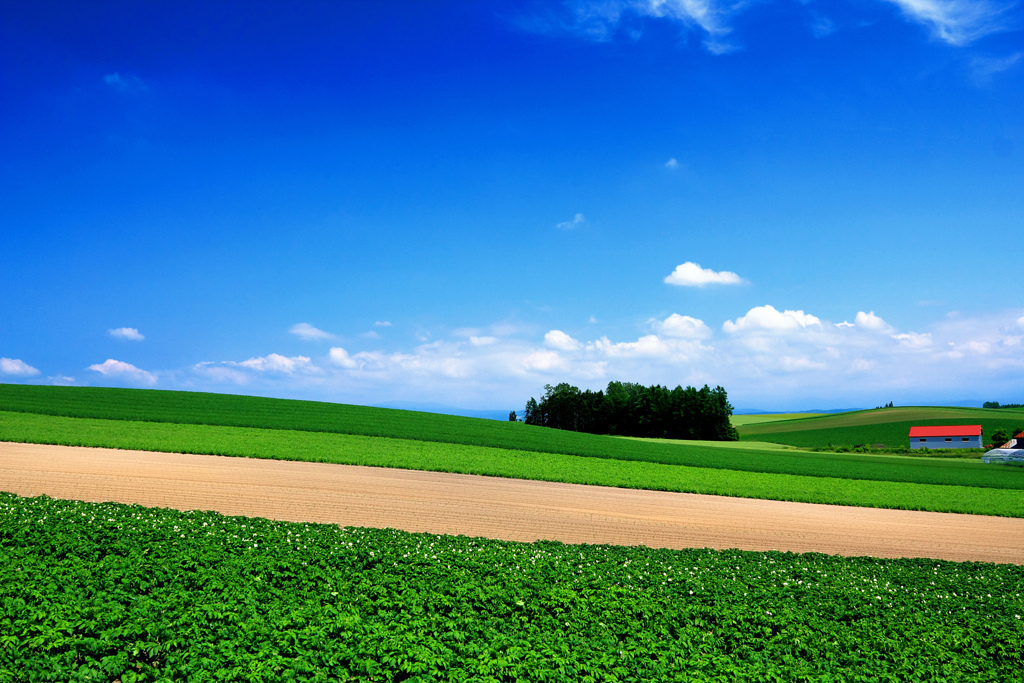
x: 508, y: 509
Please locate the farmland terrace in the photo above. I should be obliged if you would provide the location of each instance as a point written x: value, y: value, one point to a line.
x: 98, y: 590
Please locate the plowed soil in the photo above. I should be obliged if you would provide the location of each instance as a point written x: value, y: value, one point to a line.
x: 508, y: 509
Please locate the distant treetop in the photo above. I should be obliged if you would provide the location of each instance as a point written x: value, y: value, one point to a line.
x: 628, y: 409
x: 995, y: 404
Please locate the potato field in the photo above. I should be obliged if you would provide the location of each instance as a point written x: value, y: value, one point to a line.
x: 105, y: 592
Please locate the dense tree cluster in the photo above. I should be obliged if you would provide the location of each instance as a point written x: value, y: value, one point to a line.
x: 995, y: 404
x: 627, y: 409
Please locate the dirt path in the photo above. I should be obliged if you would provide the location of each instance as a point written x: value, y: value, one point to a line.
x: 510, y: 509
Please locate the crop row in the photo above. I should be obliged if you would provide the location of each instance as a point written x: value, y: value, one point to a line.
x: 865, y: 428
x: 223, y: 410
x: 891, y: 434
x: 441, y: 457
x: 98, y: 592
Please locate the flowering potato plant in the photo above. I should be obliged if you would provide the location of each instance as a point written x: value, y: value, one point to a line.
x: 109, y: 592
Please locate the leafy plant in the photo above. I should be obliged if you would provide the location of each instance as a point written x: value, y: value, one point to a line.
x: 105, y: 592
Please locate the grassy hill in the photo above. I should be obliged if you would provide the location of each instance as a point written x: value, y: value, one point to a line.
x: 175, y: 407
x: 889, y: 426
x: 305, y: 430
x: 991, y: 490
x: 743, y: 420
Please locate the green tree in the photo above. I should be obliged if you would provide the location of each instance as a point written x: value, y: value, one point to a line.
x: 999, y: 437
x: 531, y: 414
x: 629, y: 409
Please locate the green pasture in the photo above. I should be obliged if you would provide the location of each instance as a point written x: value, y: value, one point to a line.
x: 741, y: 445
x: 993, y: 490
x: 180, y: 407
x: 889, y: 426
x: 743, y: 420
x: 139, y: 405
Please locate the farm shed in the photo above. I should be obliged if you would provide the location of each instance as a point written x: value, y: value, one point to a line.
x: 1016, y: 443
x: 1009, y: 452
x: 946, y: 436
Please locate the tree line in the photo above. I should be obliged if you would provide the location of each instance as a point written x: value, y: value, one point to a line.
x: 628, y: 409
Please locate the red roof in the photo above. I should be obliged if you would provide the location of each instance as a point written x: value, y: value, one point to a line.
x: 946, y: 430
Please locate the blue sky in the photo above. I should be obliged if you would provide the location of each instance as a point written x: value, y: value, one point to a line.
x: 814, y: 204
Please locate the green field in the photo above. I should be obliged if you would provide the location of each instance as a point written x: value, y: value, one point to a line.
x: 889, y: 426
x: 303, y: 430
x: 996, y: 491
x: 107, y: 592
x: 247, y: 411
x: 181, y: 407
x: 743, y: 420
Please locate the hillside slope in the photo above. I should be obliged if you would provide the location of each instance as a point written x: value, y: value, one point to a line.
x: 889, y: 426
x: 121, y: 409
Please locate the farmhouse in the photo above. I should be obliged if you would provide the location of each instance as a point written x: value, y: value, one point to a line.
x: 1016, y: 443
x: 946, y: 436
x: 1010, y: 452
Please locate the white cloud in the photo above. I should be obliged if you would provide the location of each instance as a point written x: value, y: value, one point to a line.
x: 592, y: 319
x: 382, y: 323
x: 340, y: 357
x: 557, y: 339
x: 308, y: 332
x: 958, y: 22
x: 784, y: 359
x: 706, y: 14
x: 672, y: 164
x: 690, y: 274
x: 650, y: 346
x: 482, y: 341
x: 437, y: 361
x: 913, y: 339
x: 126, y: 333
x: 276, y: 363
x: 124, y: 82
x: 800, y: 364
x: 116, y: 369
x: 870, y: 321
x: 862, y: 365
x: 602, y: 20
x: 544, y: 361
x: 978, y: 347
x: 682, y: 326
x: 822, y: 27
x: 576, y: 221
x: 17, y: 367
x: 768, y: 319
x: 370, y: 334
x: 984, y: 68
x: 220, y: 373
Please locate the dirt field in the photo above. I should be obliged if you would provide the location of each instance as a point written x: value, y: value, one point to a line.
x: 510, y: 509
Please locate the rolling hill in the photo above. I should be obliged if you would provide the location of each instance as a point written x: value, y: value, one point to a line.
x: 889, y: 426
